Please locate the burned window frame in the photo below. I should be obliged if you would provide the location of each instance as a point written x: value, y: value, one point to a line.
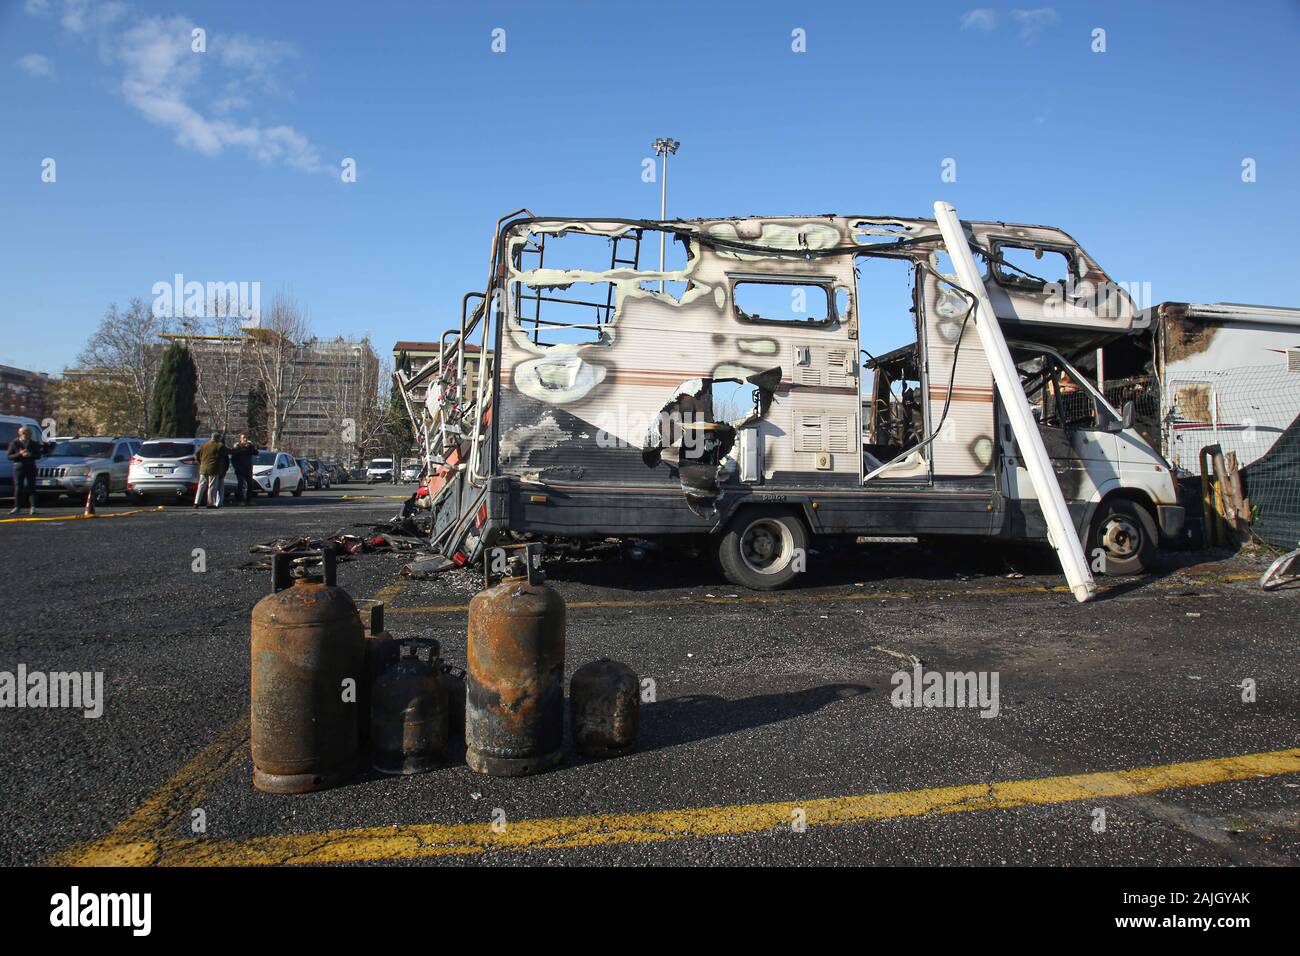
x: 827, y: 284
x: 1019, y: 283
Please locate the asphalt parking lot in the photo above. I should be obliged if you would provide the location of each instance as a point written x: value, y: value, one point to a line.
x: 1120, y: 736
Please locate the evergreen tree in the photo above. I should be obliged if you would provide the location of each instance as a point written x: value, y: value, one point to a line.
x: 174, y: 411
x: 257, y: 415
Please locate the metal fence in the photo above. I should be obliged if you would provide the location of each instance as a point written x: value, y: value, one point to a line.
x: 1251, y: 412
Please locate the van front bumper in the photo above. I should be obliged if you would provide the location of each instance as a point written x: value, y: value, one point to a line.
x: 1170, y: 518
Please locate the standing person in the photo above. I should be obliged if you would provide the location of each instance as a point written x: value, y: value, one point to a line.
x: 241, y: 457
x: 214, y: 459
x: 23, y: 452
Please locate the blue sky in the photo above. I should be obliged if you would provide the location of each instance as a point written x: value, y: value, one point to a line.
x: 224, y: 166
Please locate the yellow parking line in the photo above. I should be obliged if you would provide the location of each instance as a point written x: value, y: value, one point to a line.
x: 415, y: 841
x: 364, y: 497
x: 786, y: 597
x: 111, y: 514
x: 138, y: 840
x: 801, y: 597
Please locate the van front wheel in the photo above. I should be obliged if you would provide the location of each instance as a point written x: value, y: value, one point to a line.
x: 1123, y: 538
x: 763, y: 550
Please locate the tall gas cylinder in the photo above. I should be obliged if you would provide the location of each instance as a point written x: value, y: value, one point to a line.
x: 604, y: 708
x: 381, y: 653
x: 307, y: 645
x: 409, y: 711
x: 514, y: 708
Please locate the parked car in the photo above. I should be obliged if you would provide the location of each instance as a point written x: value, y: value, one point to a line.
x: 411, y: 473
x: 275, y: 471
x: 381, y: 469
x: 98, y: 464
x: 336, y: 473
x: 167, y: 467
x: 9, y: 425
x: 357, y: 474
x: 314, y: 475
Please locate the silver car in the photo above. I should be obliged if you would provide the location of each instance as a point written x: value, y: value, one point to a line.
x: 167, y: 467
x: 75, y: 466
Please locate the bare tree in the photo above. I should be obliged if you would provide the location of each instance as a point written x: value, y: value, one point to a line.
x: 125, y: 350
x: 279, y: 349
x: 223, y: 354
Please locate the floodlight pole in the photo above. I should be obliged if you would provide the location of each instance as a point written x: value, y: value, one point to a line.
x: 662, y: 147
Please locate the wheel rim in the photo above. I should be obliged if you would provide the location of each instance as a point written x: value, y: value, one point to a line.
x: 766, y: 546
x: 100, y: 492
x: 1121, y: 537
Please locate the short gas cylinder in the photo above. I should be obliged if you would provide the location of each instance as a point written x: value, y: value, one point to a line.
x: 514, y: 709
x: 307, y: 662
x: 604, y: 708
x: 408, y: 711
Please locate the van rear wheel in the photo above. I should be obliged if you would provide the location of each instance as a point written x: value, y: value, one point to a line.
x: 763, y: 550
x: 1124, y: 536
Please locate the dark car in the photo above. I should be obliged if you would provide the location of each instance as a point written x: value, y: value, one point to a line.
x: 318, y: 476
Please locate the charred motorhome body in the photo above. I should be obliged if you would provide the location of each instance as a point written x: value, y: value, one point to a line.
x: 610, y: 408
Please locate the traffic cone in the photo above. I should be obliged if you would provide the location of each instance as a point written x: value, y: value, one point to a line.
x: 89, y: 511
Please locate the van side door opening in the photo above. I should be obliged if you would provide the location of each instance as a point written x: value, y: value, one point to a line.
x: 894, y: 410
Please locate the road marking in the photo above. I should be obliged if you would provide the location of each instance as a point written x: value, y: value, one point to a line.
x: 426, y: 840
x: 110, y: 514
x: 138, y: 840
x: 800, y: 597
x: 784, y: 598
x: 363, y: 497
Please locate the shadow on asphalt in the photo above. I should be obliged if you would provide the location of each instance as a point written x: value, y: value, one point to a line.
x: 681, y: 720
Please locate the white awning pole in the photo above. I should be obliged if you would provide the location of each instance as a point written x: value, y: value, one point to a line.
x: 1060, y: 528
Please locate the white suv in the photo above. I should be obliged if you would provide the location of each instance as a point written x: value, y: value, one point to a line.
x: 276, y: 471
x: 168, y: 467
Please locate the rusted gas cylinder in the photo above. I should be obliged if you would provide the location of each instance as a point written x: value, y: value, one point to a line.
x: 307, y: 642
x: 408, y: 712
x: 514, y: 706
x: 604, y: 708
x: 453, y: 681
x: 381, y: 653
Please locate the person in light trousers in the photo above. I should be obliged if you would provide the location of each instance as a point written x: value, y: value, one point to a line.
x: 214, y: 460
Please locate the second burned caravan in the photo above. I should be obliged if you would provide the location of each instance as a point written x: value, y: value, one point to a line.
x: 722, y: 394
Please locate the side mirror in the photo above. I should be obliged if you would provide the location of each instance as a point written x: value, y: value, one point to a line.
x: 1125, y: 420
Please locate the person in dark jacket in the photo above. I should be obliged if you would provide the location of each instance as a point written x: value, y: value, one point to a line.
x: 23, y: 452
x: 241, y: 458
x: 214, y: 459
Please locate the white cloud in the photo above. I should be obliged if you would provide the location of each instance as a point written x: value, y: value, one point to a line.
x: 34, y: 64
x: 983, y: 19
x: 1035, y: 21
x: 80, y: 16
x: 163, y: 78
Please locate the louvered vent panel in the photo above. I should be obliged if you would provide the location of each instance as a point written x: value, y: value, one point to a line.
x: 808, y: 375
x: 837, y: 433
x: 810, y: 433
x: 837, y: 368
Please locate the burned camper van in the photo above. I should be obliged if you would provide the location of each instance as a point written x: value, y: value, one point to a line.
x: 726, y: 393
